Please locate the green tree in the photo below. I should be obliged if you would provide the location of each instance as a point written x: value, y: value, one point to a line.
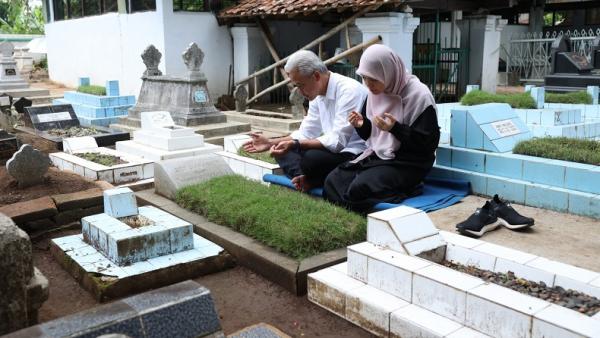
x: 20, y: 18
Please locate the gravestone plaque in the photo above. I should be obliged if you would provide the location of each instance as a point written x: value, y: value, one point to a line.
x: 172, y: 175
x: 10, y: 71
x: 200, y: 96
x: 28, y: 166
x: 51, y: 117
x: 8, y: 144
x: 505, y: 128
x: 157, y: 119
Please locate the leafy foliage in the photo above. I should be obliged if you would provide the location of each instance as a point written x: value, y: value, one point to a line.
x: 17, y: 17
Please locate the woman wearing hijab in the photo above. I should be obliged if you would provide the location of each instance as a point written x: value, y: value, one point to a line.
x: 399, y: 123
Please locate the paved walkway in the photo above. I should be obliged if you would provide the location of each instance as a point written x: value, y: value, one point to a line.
x: 563, y: 237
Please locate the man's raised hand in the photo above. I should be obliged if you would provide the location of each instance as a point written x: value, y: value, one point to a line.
x: 257, y: 144
x: 355, y: 119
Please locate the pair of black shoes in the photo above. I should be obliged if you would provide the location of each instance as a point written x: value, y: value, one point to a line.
x: 490, y: 216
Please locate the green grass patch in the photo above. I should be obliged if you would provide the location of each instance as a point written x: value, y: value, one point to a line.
x: 92, y: 89
x: 264, y: 156
x: 290, y: 222
x: 579, y: 97
x: 518, y: 100
x: 561, y: 148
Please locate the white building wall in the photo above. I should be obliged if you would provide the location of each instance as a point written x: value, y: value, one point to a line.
x: 183, y: 28
x: 103, y: 47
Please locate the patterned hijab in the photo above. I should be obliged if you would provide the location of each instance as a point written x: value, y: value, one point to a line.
x: 404, y: 97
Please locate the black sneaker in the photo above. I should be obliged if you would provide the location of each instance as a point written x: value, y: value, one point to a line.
x: 483, y: 220
x: 508, y: 216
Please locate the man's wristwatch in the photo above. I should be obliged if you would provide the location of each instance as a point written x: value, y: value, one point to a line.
x: 296, y: 144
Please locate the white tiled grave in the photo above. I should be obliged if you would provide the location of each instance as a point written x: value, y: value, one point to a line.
x: 384, y: 288
x: 135, y: 169
x: 110, y: 247
x: 160, y: 139
x: 245, y: 166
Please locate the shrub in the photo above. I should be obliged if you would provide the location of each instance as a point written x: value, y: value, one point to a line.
x: 92, y: 89
x: 518, y: 100
x: 561, y: 148
x: 293, y: 223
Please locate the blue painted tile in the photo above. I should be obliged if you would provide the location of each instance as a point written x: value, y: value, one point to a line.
x: 491, y: 112
x: 120, y: 202
x: 474, y: 134
x: 547, y: 197
x: 503, y: 166
x: 595, y: 207
x: 581, y: 178
x: 83, y: 81
x: 478, y: 181
x: 504, y: 144
x: 112, y: 88
x: 511, y: 190
x: 440, y: 172
x: 468, y: 160
x: 443, y: 156
x: 537, y: 93
x: 458, y: 128
x: 579, y: 203
x: 543, y: 172
x: 489, y: 146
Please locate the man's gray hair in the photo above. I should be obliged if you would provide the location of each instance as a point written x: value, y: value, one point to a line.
x: 306, y: 62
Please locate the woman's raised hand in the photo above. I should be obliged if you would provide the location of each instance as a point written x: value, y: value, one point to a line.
x: 386, y: 122
x: 355, y: 119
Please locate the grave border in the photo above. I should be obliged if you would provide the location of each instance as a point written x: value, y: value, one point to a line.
x: 107, y: 138
x: 260, y: 258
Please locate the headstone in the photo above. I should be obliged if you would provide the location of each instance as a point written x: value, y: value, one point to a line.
x: 494, y: 127
x: 569, y: 70
x: 297, y: 101
x: 172, y: 175
x: 539, y: 96
x: 8, y: 144
x: 23, y: 289
x: 120, y: 202
x: 470, y: 88
x: 20, y: 105
x: 28, y: 166
x: 187, y: 98
x: 241, y: 98
x: 193, y: 57
x: 77, y: 144
x: 112, y: 88
x: 594, y: 92
x: 529, y: 87
x: 83, y: 81
x: 151, y: 58
x: 9, y: 77
x: 44, y: 118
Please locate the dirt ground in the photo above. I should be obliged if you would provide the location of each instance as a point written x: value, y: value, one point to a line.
x: 56, y: 181
x: 242, y: 298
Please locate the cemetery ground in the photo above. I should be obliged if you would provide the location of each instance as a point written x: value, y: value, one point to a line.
x: 244, y: 298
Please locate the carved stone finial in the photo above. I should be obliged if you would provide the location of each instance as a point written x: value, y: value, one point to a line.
x: 297, y: 100
x: 193, y: 57
x: 241, y: 96
x: 151, y: 57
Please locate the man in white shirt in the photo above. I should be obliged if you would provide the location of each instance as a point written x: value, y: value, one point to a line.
x: 325, y: 138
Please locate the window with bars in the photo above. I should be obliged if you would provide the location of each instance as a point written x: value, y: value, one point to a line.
x: 72, y: 9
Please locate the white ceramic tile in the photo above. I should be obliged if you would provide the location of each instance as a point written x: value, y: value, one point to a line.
x: 189, y: 255
x: 370, y: 308
x: 211, y: 250
x: 566, y: 270
x: 393, y: 213
x: 162, y: 261
x: 414, y: 321
x: 595, y: 282
x: 380, y: 233
x: 596, y: 316
x: 342, y: 267
x: 253, y: 172
x: 443, y: 291
x: 466, y: 332
x: 558, y: 321
x: 328, y: 288
x: 200, y: 241
x: 424, y: 244
x: 65, y: 240
x: 106, y: 175
x: 401, y: 260
x: 105, y: 267
x: 357, y: 260
x: 390, y: 278
x: 506, y: 253
x: 138, y: 268
x: 237, y: 166
x: 460, y: 240
x: 524, y: 271
x: 500, y: 312
x: 469, y: 257
x: 88, y: 259
x: 91, y: 174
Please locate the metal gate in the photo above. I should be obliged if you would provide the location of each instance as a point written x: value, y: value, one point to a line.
x: 441, y: 66
x: 529, y: 53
